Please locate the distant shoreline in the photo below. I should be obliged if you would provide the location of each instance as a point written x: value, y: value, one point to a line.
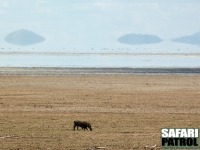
x: 65, y: 71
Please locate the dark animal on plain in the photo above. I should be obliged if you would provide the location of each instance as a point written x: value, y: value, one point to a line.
x: 83, y: 124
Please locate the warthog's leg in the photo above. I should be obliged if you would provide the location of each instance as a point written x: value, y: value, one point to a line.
x: 75, y: 126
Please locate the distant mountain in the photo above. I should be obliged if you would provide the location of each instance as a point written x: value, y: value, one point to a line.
x: 24, y: 37
x: 191, y: 39
x: 134, y: 39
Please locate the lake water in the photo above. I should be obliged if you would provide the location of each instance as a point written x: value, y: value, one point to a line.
x: 99, y: 60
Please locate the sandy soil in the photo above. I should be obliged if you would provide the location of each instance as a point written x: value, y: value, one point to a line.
x: 126, y: 112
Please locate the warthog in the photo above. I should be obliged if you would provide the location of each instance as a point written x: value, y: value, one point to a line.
x: 83, y: 124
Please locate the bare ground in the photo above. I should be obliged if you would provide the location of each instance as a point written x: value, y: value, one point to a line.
x: 126, y: 112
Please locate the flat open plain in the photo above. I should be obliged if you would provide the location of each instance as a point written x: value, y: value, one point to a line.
x: 126, y: 111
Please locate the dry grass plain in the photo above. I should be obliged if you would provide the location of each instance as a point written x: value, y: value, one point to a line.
x: 126, y: 112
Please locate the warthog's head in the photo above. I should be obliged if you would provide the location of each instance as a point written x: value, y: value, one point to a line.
x: 89, y: 125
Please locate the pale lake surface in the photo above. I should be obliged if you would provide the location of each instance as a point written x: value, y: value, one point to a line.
x: 100, y: 60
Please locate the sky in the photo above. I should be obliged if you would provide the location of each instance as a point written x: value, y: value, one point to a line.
x: 97, y: 24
